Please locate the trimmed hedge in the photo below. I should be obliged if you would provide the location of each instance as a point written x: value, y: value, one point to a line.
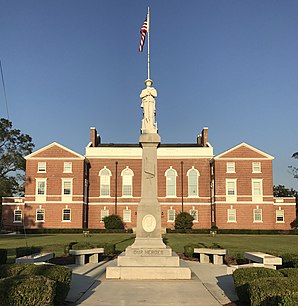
x: 3, y: 256
x: 26, y: 251
x: 235, y: 231
x: 26, y: 290
x: 289, y: 260
x: 289, y: 272
x: 9, y: 270
x: 189, y: 249
x: 83, y: 246
x: 74, y: 231
x: 109, y: 248
x: 243, y: 276
x: 69, y: 247
x: 273, y: 291
x: 61, y: 275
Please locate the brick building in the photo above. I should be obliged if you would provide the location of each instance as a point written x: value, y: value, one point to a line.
x: 67, y: 190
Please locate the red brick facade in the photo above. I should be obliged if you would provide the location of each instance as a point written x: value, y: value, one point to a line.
x: 67, y: 190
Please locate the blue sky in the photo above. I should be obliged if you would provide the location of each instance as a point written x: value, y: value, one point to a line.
x: 228, y: 65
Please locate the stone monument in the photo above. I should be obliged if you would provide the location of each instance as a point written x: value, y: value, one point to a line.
x: 148, y: 257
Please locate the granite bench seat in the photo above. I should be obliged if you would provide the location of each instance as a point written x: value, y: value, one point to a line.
x: 37, y: 257
x: 82, y: 256
x: 217, y: 255
x: 263, y: 258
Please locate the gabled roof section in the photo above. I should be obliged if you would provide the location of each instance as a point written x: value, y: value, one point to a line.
x: 54, y: 150
x: 244, y: 151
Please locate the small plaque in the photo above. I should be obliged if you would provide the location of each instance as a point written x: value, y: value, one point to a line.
x: 149, y: 223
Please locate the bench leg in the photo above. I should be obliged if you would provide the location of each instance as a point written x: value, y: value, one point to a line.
x: 204, y: 258
x: 80, y: 260
x: 93, y: 258
x: 217, y: 259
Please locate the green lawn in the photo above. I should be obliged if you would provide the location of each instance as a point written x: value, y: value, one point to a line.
x: 235, y: 244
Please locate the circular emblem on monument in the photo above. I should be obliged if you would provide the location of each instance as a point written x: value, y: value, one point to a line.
x: 149, y: 223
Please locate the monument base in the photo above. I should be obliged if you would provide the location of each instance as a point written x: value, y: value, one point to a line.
x: 133, y: 273
x: 148, y: 263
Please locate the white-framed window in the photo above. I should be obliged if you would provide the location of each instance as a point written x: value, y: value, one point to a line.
x: 17, y: 216
x: 171, y: 215
x: 231, y: 189
x: 42, y: 167
x: 232, y: 215
x: 126, y: 215
x: 66, y: 188
x: 67, y: 167
x: 257, y: 190
x: 195, y: 214
x: 193, y: 182
x: 171, y: 175
x: 256, y: 167
x: 258, y: 215
x: 127, y: 175
x: 105, y: 181
x: 40, y: 215
x: 41, y: 188
x: 231, y: 167
x: 104, y: 213
x: 66, y: 215
x: 280, y: 216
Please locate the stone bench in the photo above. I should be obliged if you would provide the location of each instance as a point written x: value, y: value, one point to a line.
x: 82, y: 256
x: 266, y: 260
x: 217, y: 254
x: 37, y: 257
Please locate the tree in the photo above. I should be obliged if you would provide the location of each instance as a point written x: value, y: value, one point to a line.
x: 282, y: 191
x: 294, y: 170
x: 13, y: 147
x: 113, y: 222
x: 184, y: 221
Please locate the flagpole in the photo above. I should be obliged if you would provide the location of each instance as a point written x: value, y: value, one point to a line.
x: 148, y: 21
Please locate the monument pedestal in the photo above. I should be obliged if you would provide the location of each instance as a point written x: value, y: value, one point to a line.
x: 148, y: 263
x: 148, y: 257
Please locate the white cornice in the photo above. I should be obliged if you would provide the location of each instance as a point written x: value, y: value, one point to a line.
x: 162, y: 153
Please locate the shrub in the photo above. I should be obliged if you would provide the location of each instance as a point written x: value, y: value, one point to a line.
x: 184, y: 221
x: 83, y: 246
x: 189, y: 250
x: 113, y: 222
x: 273, y: 291
x: 243, y: 276
x: 8, y: 270
x: 69, y: 247
x: 3, y: 256
x: 27, y: 291
x: 289, y: 272
x: 109, y: 248
x: 61, y: 275
x: 289, y: 260
x: 26, y: 251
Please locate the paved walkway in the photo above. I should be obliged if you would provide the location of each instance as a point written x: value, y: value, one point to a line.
x: 209, y: 286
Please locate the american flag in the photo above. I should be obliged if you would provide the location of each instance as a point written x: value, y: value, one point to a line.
x: 143, y: 31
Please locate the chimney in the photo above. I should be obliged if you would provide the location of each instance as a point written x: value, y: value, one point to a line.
x: 205, y: 136
x: 93, y: 137
x: 199, y: 139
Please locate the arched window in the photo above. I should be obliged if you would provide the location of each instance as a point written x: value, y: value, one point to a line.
x: 105, y: 178
x: 193, y: 180
x: 170, y: 175
x: 127, y: 175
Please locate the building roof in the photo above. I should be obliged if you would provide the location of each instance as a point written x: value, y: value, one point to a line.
x: 52, y: 150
